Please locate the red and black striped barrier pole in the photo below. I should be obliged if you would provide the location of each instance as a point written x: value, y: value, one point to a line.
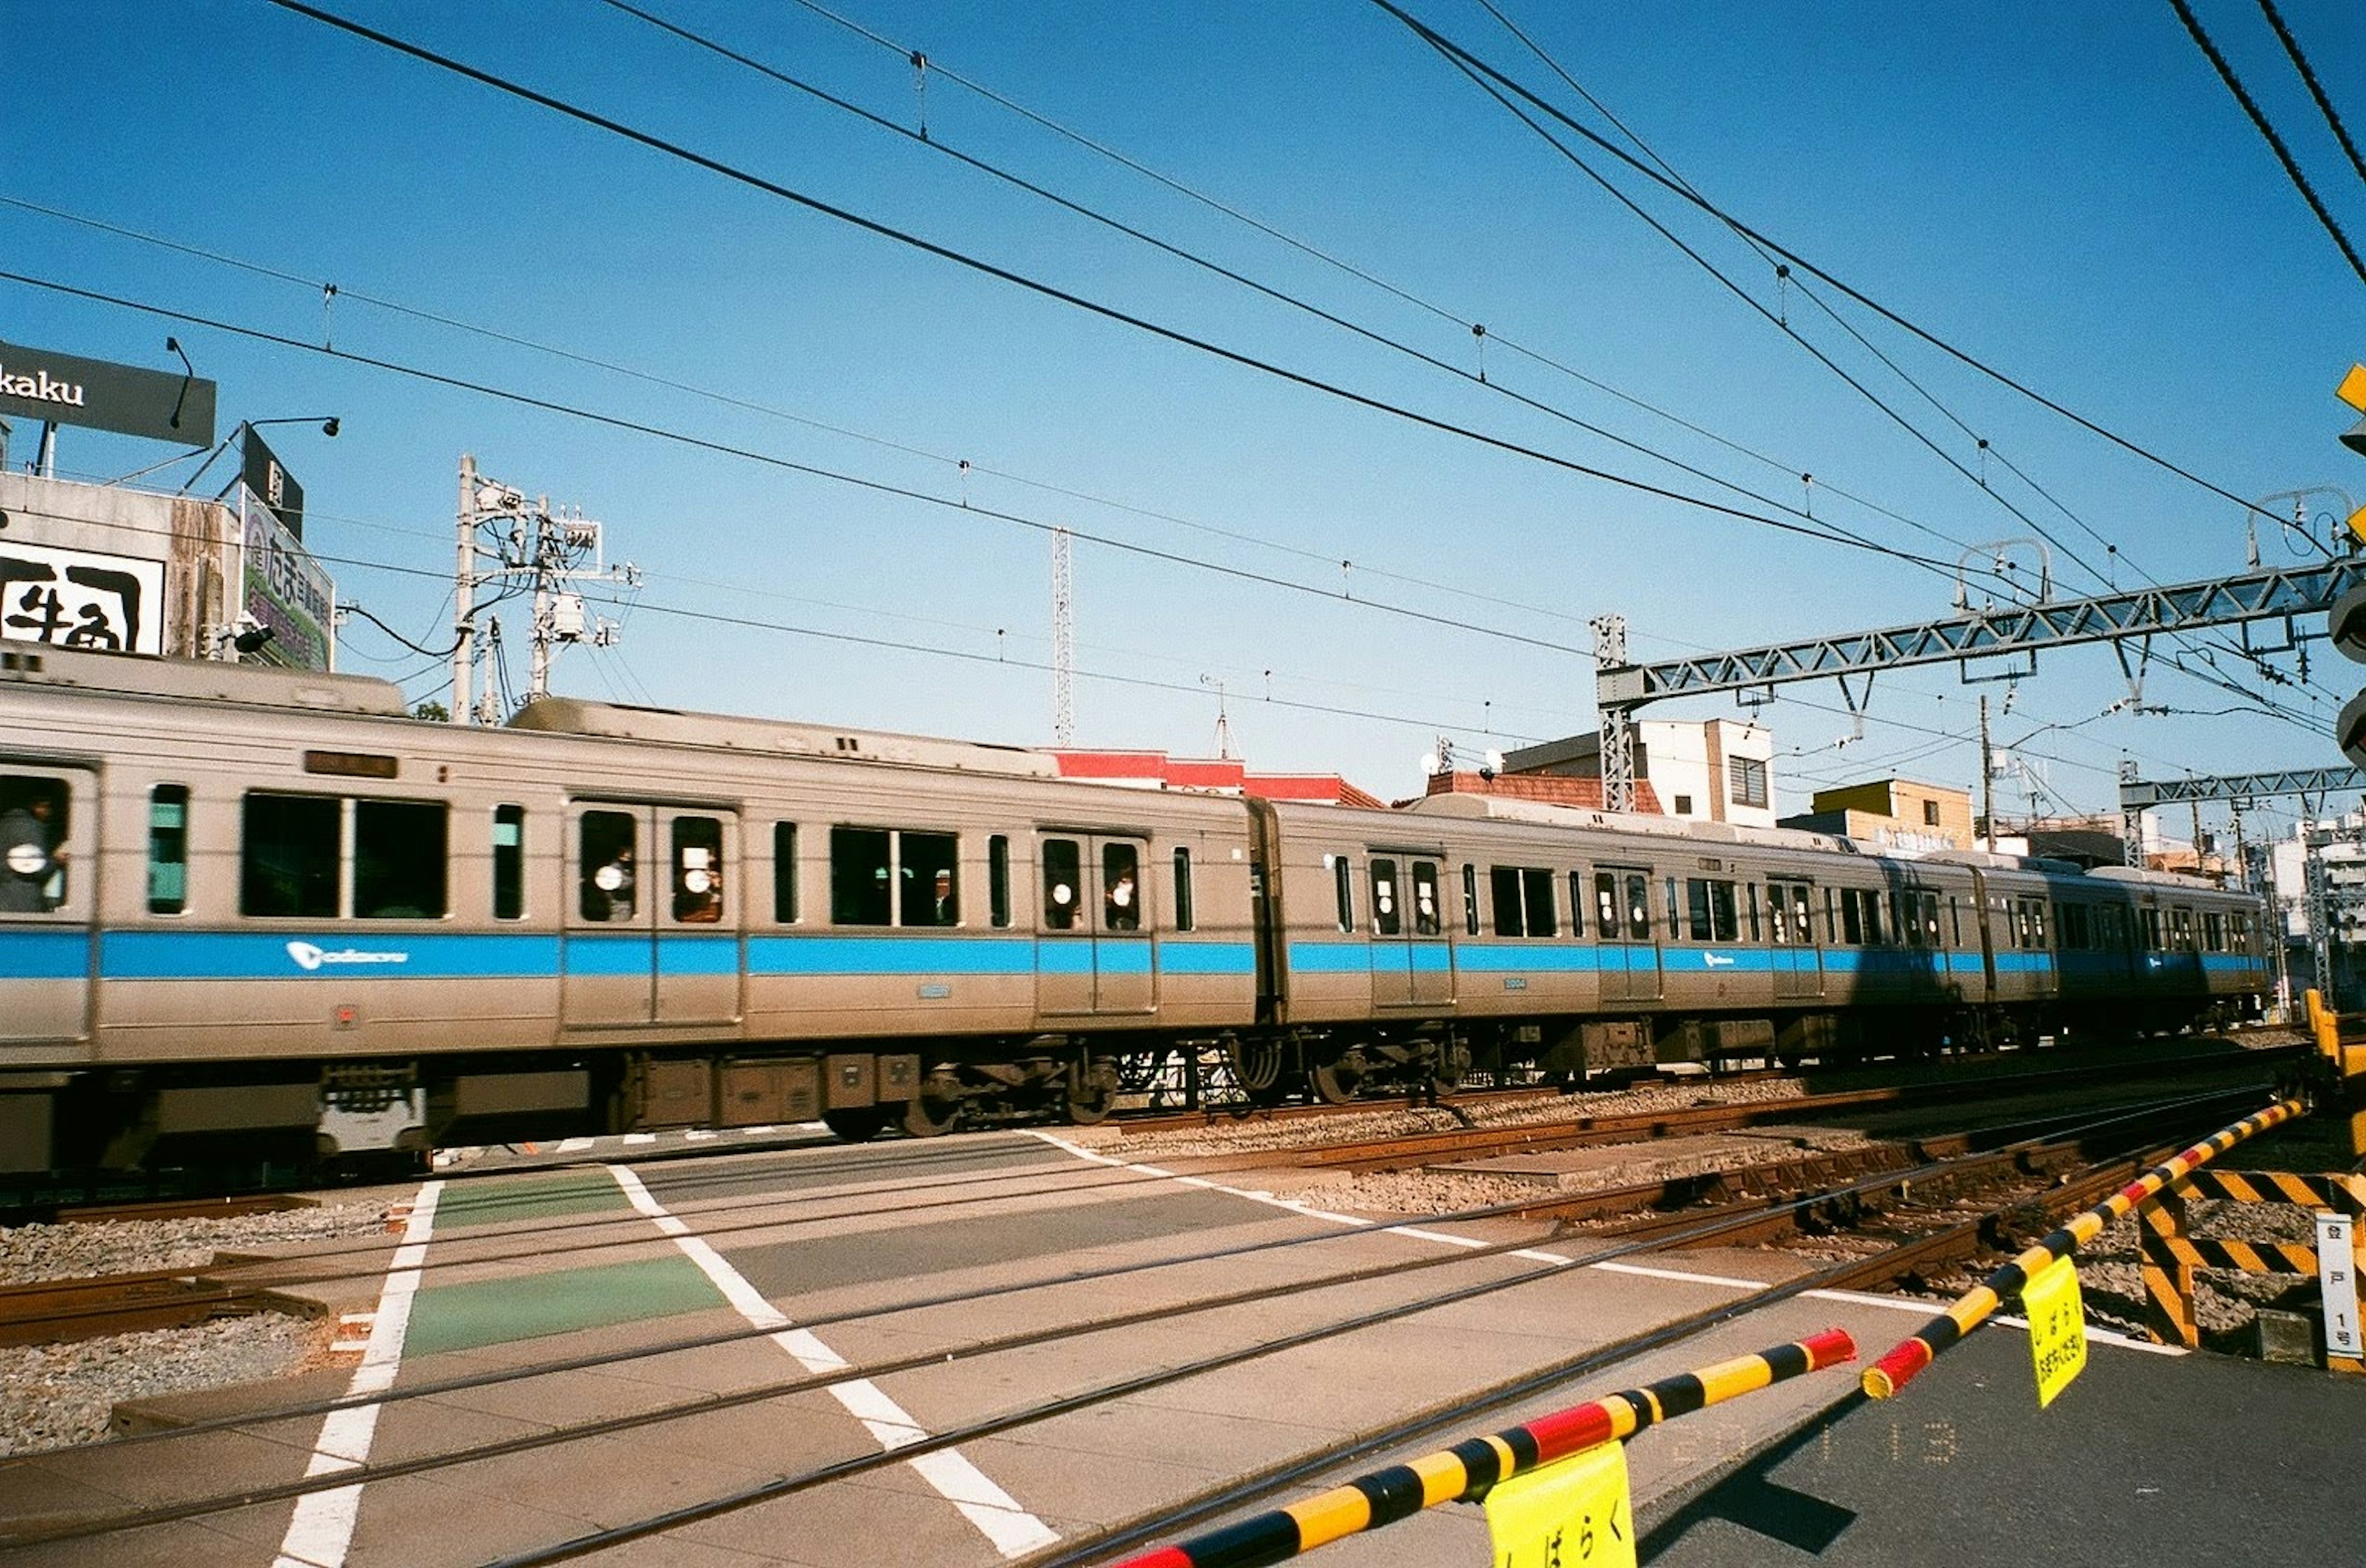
x: 1908, y: 1358
x: 1466, y: 1471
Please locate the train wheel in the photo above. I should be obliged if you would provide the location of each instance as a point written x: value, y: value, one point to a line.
x: 856, y: 1126
x: 1453, y: 1065
x: 1092, y: 1092
x: 926, y: 1115
x: 1255, y: 1064
x: 1335, y: 1083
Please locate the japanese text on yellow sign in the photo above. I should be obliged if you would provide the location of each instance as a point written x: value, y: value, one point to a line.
x: 1572, y: 1514
x: 2057, y: 1328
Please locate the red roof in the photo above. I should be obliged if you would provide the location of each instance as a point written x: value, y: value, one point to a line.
x: 1552, y: 789
x: 1156, y: 770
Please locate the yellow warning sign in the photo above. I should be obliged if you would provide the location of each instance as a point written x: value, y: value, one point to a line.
x: 2057, y: 1328
x: 2352, y: 389
x: 1574, y: 1513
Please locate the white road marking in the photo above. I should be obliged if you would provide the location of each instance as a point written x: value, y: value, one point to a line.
x: 1679, y: 1275
x: 323, y: 1525
x: 1013, y: 1531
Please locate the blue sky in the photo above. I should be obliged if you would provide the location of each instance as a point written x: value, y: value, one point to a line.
x: 2065, y: 192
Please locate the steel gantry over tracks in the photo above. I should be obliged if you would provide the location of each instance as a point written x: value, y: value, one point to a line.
x: 2004, y: 630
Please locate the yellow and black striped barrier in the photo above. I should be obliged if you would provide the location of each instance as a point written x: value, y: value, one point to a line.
x: 1909, y: 1357
x: 1466, y: 1471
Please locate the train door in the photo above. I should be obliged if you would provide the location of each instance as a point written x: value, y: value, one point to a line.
x: 1796, y: 957
x: 49, y: 841
x: 1628, y: 942
x: 1411, y: 961
x: 651, y: 934
x: 1096, y: 952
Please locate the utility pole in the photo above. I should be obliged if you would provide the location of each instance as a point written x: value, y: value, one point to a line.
x: 1064, y: 640
x: 1988, y: 776
x: 550, y: 551
x: 463, y: 594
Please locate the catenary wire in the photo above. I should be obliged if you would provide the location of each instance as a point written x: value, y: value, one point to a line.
x: 2316, y: 89
x: 1446, y: 46
x: 939, y: 146
x: 2276, y: 143
x: 1036, y: 285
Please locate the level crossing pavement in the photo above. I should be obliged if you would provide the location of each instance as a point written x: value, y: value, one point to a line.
x: 1963, y: 1450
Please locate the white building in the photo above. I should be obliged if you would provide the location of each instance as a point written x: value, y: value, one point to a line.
x: 1710, y: 771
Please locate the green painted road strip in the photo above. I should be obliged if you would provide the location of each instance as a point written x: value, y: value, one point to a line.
x: 495, y: 1311
x: 530, y: 1199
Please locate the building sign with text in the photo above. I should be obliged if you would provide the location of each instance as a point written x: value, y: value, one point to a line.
x: 284, y: 590
x: 81, y: 599
x: 63, y: 388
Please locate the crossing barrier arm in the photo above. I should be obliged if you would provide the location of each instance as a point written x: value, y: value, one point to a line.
x: 1907, y: 1359
x: 1466, y: 1471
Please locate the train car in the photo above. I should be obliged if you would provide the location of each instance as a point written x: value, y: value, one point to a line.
x: 245, y: 910
x: 273, y: 904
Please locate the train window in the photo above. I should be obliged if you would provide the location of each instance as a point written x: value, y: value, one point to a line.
x: 400, y: 863
x: 1063, y: 873
x: 1343, y: 879
x: 860, y: 892
x: 1778, y: 914
x: 927, y: 874
x: 2150, y: 921
x: 1675, y: 915
x: 1469, y: 899
x: 168, y: 850
x: 1537, y: 886
x: 784, y: 873
x: 2071, y: 921
x: 1605, y: 905
x: 1577, y: 903
x: 1183, y: 920
x: 1831, y: 930
x: 1852, y: 919
x: 2037, y: 922
x: 1639, y: 905
x: 1386, y: 920
x: 33, y: 831
x: 1750, y: 900
x: 607, y: 851
x: 1710, y: 909
x: 997, y: 880
x: 1954, y: 922
x: 1425, y: 898
x: 508, y: 862
x: 288, y: 855
x: 1504, y: 882
x: 2214, y: 932
x: 2180, y: 930
x: 697, y: 870
x: 1523, y: 901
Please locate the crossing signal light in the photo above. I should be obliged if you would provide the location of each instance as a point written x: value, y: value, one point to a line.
x: 2345, y: 624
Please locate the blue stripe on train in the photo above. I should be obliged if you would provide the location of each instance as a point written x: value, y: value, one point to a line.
x: 44, y: 954
x: 63, y: 954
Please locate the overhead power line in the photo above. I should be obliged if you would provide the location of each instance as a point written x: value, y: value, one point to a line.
x: 1455, y: 52
x: 2315, y: 91
x: 2291, y: 170
x: 1049, y: 291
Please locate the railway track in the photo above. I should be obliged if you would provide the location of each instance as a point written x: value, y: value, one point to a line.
x: 1437, y: 1280
x: 1403, y: 1151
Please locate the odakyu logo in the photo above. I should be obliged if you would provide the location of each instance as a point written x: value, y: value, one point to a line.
x: 309, y: 957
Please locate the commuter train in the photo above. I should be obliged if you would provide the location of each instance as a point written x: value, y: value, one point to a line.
x: 243, y: 907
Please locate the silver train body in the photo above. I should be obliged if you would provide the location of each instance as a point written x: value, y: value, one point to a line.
x: 251, y: 904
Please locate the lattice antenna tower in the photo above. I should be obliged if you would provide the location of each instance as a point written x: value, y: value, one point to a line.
x: 1063, y: 640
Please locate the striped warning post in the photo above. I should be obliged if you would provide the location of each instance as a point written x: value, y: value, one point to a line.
x: 1466, y: 1471
x: 1909, y: 1357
